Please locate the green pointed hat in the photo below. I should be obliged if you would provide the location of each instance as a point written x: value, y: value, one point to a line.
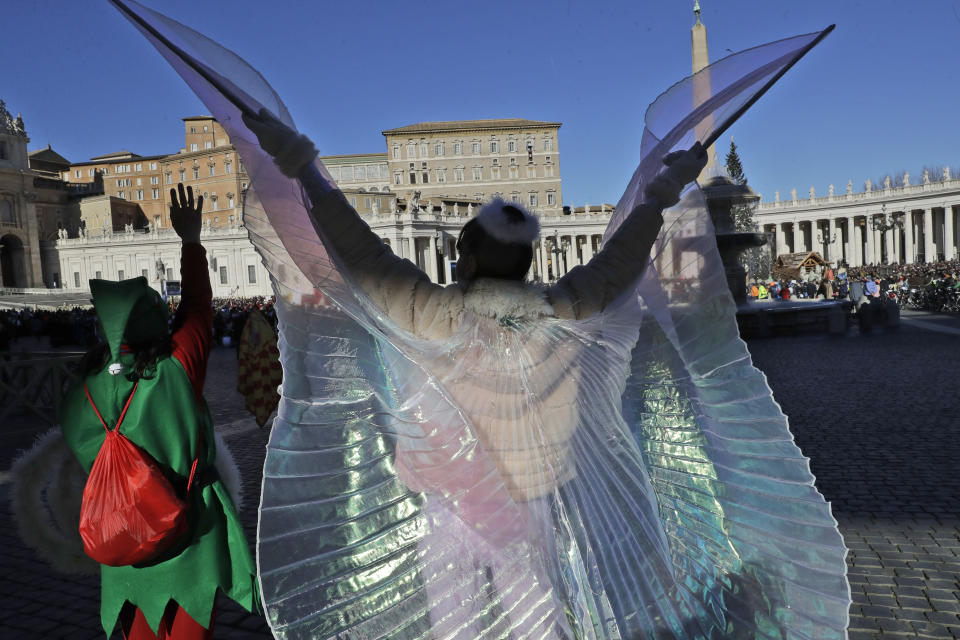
x: 130, y: 312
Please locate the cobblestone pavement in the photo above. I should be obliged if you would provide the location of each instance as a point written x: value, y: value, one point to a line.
x: 38, y: 602
x: 875, y: 413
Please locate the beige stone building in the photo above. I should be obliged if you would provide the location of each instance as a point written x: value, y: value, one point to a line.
x: 35, y: 208
x: 210, y: 164
x: 456, y: 167
x: 512, y: 158
x: 207, y: 162
x: 125, y: 176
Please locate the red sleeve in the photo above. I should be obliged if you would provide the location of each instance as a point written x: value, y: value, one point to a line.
x: 193, y: 322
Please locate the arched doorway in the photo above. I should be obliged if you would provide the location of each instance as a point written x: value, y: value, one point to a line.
x: 12, y: 265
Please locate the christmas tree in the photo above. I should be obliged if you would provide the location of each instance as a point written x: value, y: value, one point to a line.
x: 742, y: 214
x: 756, y: 260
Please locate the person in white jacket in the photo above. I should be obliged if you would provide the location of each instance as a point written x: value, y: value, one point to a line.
x: 529, y: 441
x: 495, y: 254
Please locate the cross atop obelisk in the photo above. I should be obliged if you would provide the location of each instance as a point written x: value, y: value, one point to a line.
x: 701, y: 83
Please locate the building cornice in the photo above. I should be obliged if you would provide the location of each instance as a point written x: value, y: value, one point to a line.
x: 932, y: 191
x: 347, y: 157
x: 115, y: 159
x: 463, y: 126
x: 199, y: 153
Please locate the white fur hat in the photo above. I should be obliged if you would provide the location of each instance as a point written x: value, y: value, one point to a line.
x: 500, y: 220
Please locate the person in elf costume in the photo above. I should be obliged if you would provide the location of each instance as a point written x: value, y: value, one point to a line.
x: 172, y: 595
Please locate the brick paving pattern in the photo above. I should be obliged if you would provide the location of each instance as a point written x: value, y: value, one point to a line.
x: 876, y: 414
x: 38, y: 602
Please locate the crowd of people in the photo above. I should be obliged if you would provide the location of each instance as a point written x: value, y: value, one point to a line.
x: 933, y: 285
x: 230, y: 315
x: 65, y: 327
x: 922, y: 285
x: 77, y: 326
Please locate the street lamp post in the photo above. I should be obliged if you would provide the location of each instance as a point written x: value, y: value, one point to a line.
x: 558, y: 253
x: 826, y: 243
x: 885, y: 223
x: 821, y: 239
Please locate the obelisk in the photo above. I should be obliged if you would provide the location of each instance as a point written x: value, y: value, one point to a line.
x: 701, y: 82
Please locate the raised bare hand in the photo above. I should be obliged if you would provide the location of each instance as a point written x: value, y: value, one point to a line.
x: 184, y: 216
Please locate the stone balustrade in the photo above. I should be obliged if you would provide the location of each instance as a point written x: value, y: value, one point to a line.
x: 426, y: 238
x: 235, y: 267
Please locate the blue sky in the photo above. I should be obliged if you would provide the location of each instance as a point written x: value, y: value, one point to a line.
x: 880, y: 95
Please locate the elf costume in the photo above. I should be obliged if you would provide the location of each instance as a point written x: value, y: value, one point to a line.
x: 168, y: 418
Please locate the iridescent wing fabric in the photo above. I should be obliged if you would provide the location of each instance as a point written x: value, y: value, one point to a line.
x: 623, y: 476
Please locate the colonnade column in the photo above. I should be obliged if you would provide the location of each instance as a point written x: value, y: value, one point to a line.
x: 782, y: 246
x: 572, y: 252
x: 447, y: 271
x: 445, y: 257
x: 542, y: 260
x: 555, y: 256
x: 929, y: 246
x: 537, y: 268
x: 869, y: 256
x: 843, y: 238
x: 949, y: 234
x: 588, y: 250
x: 877, y: 246
x: 908, y: 240
x: 856, y: 257
x: 891, y: 242
x: 816, y: 237
x: 545, y: 257
x: 432, y: 259
x: 837, y: 246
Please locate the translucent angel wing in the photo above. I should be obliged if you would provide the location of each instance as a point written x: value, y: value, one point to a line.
x: 701, y: 106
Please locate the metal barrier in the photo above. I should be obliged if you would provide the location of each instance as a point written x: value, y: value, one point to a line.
x: 32, y: 385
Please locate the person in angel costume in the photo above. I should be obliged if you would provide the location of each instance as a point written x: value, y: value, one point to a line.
x: 498, y: 459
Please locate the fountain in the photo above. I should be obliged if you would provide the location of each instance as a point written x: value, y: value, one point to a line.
x: 759, y: 318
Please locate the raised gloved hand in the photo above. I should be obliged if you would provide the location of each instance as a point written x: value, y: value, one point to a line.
x: 290, y: 150
x: 683, y: 167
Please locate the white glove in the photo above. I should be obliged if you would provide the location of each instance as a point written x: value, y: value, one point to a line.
x: 290, y: 150
x: 683, y: 167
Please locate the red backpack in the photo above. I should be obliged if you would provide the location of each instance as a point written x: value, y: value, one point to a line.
x: 130, y: 511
